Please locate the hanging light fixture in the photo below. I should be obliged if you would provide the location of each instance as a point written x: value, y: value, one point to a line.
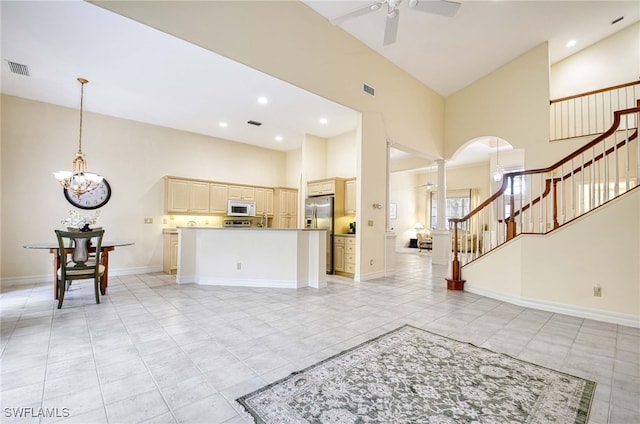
x: 78, y: 179
x: 498, y: 171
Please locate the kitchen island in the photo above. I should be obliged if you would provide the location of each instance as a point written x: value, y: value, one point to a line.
x: 252, y: 257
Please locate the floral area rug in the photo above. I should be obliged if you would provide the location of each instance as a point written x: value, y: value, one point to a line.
x: 413, y: 376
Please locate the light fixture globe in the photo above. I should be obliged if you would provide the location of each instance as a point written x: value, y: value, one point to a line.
x: 498, y: 170
x: 78, y: 179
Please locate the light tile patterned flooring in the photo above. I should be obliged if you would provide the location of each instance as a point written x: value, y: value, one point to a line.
x: 157, y: 352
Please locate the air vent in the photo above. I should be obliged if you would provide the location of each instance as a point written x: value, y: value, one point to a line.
x: 615, y: 21
x: 256, y: 123
x: 368, y: 89
x: 18, y: 68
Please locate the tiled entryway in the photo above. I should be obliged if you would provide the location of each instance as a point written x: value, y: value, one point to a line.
x: 157, y: 352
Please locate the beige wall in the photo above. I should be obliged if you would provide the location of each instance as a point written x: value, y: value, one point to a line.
x: 341, y: 155
x: 511, y: 103
x: 314, y: 158
x: 613, y: 61
x: 132, y: 156
x: 551, y: 276
x: 405, y: 192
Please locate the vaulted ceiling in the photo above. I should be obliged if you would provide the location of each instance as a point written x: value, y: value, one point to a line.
x: 139, y: 73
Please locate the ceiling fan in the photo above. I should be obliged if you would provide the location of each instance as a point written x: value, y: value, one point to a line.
x: 437, y: 7
x: 430, y: 185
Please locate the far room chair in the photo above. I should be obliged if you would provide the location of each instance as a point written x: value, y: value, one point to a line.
x: 424, y: 241
x: 81, y: 265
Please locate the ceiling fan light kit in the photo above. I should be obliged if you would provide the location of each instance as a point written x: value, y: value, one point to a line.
x: 436, y: 7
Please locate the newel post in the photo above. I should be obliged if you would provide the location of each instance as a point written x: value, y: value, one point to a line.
x: 511, y: 221
x: 455, y: 282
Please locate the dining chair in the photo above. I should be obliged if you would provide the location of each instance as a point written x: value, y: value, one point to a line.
x: 78, y: 260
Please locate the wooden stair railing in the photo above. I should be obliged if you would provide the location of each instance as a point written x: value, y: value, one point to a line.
x: 589, y: 113
x: 541, y: 200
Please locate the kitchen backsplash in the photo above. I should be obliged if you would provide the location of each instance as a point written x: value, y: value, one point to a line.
x: 173, y: 221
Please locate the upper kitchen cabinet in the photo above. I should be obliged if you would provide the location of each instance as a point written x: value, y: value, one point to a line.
x: 242, y: 193
x: 218, y: 195
x: 350, y: 197
x: 329, y: 187
x: 323, y: 187
x: 264, y: 200
x: 286, y: 207
x: 186, y: 196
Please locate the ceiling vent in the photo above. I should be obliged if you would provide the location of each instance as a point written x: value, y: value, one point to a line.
x: 18, y: 68
x: 256, y: 123
x: 368, y: 89
x: 615, y: 21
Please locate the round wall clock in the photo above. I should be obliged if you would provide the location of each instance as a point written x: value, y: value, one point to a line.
x: 94, y: 199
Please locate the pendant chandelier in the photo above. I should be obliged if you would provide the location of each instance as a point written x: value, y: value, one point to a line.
x: 498, y: 171
x: 78, y: 179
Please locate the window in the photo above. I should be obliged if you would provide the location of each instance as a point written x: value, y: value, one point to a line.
x: 457, y: 204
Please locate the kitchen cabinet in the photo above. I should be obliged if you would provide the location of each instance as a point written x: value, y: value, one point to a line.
x: 330, y: 186
x: 242, y: 192
x: 344, y: 255
x: 170, y: 253
x: 264, y: 201
x: 350, y: 197
x: 322, y: 187
x: 191, y: 196
x: 218, y: 195
x: 186, y: 196
x: 285, y: 207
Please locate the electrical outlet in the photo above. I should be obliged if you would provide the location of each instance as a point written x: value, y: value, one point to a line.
x: 597, y: 290
x: 148, y: 220
x: 164, y: 221
x: 239, y: 266
x: 370, y: 223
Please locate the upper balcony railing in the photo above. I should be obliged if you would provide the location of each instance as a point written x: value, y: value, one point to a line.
x: 591, y: 113
x: 539, y: 201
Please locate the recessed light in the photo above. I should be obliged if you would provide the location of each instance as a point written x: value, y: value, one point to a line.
x: 324, y: 121
x: 263, y: 100
x: 279, y: 138
x: 571, y: 43
x: 223, y: 124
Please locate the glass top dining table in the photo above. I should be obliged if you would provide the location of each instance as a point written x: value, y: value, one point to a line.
x: 105, y: 248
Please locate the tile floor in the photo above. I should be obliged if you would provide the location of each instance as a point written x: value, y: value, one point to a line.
x: 156, y: 352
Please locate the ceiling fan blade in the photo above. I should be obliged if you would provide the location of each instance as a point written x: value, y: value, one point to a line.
x: 437, y: 7
x: 358, y: 12
x: 391, y: 29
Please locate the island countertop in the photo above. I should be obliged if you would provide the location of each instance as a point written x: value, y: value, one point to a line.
x: 251, y: 228
x: 252, y: 256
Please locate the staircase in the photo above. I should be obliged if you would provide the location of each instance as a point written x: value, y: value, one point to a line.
x: 541, y: 201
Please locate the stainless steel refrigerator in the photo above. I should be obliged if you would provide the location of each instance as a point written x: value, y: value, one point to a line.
x: 318, y: 213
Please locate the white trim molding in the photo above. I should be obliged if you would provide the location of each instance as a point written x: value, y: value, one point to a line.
x: 560, y: 308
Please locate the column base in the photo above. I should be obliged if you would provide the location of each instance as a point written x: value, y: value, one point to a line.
x: 441, y: 247
x: 455, y: 284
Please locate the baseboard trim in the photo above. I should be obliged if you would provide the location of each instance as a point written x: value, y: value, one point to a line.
x: 560, y: 308
x: 370, y: 275
x: 48, y: 278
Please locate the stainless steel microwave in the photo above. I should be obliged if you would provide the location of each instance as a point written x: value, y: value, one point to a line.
x: 241, y: 208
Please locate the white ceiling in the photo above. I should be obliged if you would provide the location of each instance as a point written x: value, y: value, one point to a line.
x: 139, y: 73
x: 449, y: 53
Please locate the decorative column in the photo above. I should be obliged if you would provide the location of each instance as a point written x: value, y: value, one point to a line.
x: 441, y: 237
x: 389, y: 234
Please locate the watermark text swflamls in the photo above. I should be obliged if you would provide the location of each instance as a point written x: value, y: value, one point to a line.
x: 30, y: 412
